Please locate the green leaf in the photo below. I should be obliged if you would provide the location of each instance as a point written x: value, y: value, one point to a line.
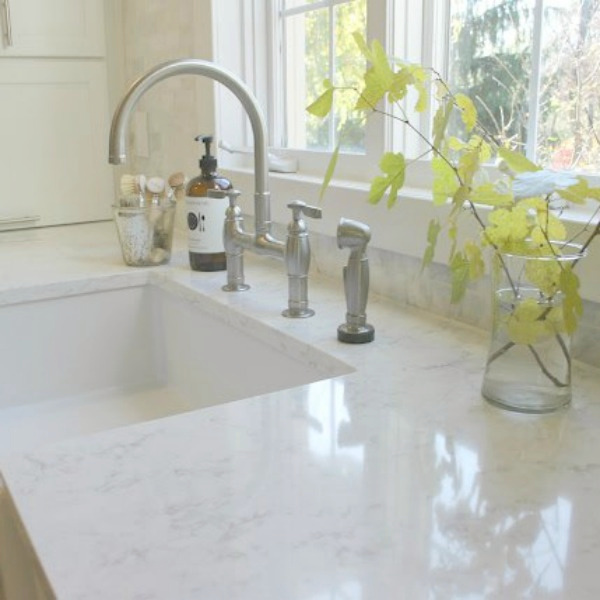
x: 432, y: 235
x: 372, y: 92
x: 330, y: 170
x: 525, y: 324
x: 391, y: 163
x: 468, y: 164
x: 422, y: 98
x: 440, y: 122
x: 458, y: 200
x: 580, y: 192
x: 473, y: 255
x: 393, y: 166
x: 445, y: 183
x: 362, y: 45
x: 419, y: 77
x: 321, y: 107
x: 488, y: 194
x: 399, y: 87
x: 572, y: 303
x: 544, y: 274
x: 455, y: 143
x: 459, y: 267
x: 379, y: 78
x: 378, y: 186
x: 483, y: 148
x: 508, y: 228
x: 381, y: 64
x: 516, y: 161
x: 468, y: 111
x: 419, y: 72
x: 546, y: 227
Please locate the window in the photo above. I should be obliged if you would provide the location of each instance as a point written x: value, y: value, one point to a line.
x: 533, y: 69
x: 312, y: 41
x: 416, y: 30
x: 531, y: 66
x: 316, y: 43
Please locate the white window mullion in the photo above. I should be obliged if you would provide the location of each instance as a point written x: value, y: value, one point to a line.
x: 378, y: 132
x: 534, y: 81
x: 409, y: 25
x: 332, y: 118
x: 273, y: 76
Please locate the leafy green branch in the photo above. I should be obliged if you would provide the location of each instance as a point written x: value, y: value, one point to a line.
x: 514, y: 212
x: 515, y: 224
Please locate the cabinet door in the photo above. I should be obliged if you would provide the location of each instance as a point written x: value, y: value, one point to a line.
x: 52, y: 28
x: 54, y: 141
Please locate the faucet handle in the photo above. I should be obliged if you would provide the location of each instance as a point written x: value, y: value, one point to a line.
x: 297, y: 259
x: 300, y: 208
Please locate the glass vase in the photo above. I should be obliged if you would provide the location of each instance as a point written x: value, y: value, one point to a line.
x: 528, y: 366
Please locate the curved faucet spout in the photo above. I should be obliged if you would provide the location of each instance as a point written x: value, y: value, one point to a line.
x: 235, y: 239
x: 191, y: 66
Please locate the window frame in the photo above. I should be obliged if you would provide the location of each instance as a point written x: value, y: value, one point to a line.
x: 350, y: 166
x: 423, y: 39
x: 259, y: 20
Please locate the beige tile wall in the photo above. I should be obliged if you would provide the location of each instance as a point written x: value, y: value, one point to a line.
x: 178, y: 109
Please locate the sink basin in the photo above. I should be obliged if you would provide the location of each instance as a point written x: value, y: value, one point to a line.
x: 85, y: 363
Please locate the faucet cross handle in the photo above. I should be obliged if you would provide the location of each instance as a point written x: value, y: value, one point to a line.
x: 300, y: 208
x: 297, y: 259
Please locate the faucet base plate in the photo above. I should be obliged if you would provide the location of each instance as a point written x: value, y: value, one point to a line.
x: 235, y: 287
x: 299, y: 313
x: 355, y: 334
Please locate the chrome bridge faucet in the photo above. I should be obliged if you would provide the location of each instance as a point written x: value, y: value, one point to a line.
x: 236, y: 239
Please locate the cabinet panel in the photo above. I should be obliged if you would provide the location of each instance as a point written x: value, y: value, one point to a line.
x: 53, y: 141
x: 55, y: 28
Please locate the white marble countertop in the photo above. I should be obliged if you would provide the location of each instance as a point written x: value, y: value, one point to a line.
x: 395, y: 481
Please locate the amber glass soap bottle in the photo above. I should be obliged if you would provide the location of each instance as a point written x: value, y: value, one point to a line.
x: 205, y: 215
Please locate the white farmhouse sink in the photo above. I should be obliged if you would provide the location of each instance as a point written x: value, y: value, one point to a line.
x: 89, y: 362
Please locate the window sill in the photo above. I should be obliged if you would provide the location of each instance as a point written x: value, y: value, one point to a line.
x: 573, y: 215
x: 402, y: 229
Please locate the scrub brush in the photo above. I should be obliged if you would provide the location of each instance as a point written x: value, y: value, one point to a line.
x: 132, y: 184
x: 177, y: 184
x: 132, y: 188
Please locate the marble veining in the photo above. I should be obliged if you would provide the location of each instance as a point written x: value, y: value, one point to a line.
x: 394, y: 481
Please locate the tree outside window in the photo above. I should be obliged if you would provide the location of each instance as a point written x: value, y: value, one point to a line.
x: 533, y: 71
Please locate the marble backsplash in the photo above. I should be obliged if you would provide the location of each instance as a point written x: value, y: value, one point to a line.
x: 401, y: 279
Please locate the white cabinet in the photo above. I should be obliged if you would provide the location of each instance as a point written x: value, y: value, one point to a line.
x: 54, y: 141
x: 54, y: 116
x: 52, y: 28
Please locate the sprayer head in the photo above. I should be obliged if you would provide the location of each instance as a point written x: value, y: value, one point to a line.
x: 353, y: 234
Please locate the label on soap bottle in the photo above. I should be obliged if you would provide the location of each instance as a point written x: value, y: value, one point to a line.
x: 205, y: 219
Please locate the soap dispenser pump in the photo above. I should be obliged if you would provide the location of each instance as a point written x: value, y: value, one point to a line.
x: 206, y: 214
